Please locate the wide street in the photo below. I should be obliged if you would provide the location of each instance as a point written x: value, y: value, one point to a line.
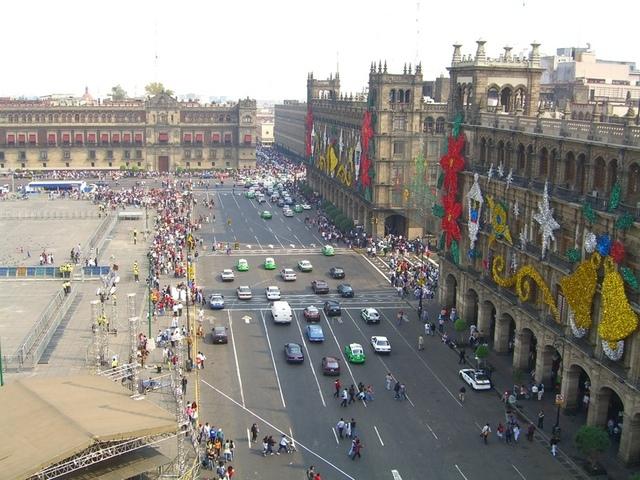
x: 431, y: 435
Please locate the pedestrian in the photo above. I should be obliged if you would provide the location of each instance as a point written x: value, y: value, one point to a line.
x: 183, y: 383
x: 461, y: 394
x: 283, y: 444
x: 396, y: 389
x: 311, y: 473
x: 427, y: 329
x: 399, y: 317
x: 337, y: 386
x: 135, y: 237
x: 352, y: 394
x: 462, y: 356
x: 388, y: 380
x: 540, y: 391
x: 516, y: 433
x: 265, y: 445
x: 340, y: 428
x: 484, y: 433
x: 441, y: 325
x: 254, y: 432
x: 420, y: 342
x: 508, y: 433
x: 344, y: 397
x: 541, y: 420
x: 352, y: 428
x: 531, y: 432
x: 500, y: 431
x: 347, y: 429
x: 554, y: 445
x: 356, y: 449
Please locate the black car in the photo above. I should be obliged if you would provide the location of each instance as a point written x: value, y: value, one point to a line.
x: 219, y: 335
x: 332, y: 308
x: 320, y: 286
x: 293, y: 353
x: 336, y: 272
x: 330, y: 366
x: 345, y: 290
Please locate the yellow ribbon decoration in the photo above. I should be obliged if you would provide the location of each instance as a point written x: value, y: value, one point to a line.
x: 618, y: 320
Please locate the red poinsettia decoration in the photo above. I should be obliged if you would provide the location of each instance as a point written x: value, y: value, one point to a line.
x: 365, y: 163
x: 452, y: 163
x: 308, y: 130
x: 449, y: 223
x: 617, y: 251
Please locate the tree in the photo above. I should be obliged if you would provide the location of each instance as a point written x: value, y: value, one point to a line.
x: 460, y: 326
x: 481, y: 353
x: 591, y: 442
x: 118, y: 93
x: 156, y: 88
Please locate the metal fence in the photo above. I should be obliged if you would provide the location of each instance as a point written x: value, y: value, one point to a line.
x: 46, y: 214
x: 44, y: 272
x: 95, y: 242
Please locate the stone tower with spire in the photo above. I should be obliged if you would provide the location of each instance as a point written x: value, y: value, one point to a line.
x: 328, y: 88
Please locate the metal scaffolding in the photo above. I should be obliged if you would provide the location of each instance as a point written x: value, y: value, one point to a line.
x: 133, y: 327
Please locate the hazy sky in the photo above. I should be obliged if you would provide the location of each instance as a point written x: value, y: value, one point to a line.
x: 264, y: 49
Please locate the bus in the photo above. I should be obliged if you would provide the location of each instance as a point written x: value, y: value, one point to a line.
x: 56, y: 186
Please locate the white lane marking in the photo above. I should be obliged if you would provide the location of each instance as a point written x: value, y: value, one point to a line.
x: 278, y: 430
x: 281, y: 245
x: 304, y: 342
x: 235, y: 355
x: 432, y: 432
x: 251, y: 229
x: 249, y: 438
x: 258, y: 242
x: 386, y: 277
x: 415, y: 352
x: 220, y: 200
x: 378, y: 434
x: 396, y: 475
x: 299, y: 241
x: 275, y: 368
x: 335, y: 435
x: 289, y: 228
x: 519, y: 472
x: 463, y: 475
x: 293, y: 440
x: 477, y: 425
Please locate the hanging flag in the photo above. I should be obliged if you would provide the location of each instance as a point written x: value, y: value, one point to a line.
x: 356, y: 159
x: 340, y: 146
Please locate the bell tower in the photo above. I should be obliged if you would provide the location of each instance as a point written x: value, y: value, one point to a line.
x: 323, y: 89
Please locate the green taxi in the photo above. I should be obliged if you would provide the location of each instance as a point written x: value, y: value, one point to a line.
x: 266, y: 215
x: 297, y: 208
x: 354, y: 353
x: 242, y: 265
x: 269, y: 264
x: 250, y: 194
x: 328, y: 251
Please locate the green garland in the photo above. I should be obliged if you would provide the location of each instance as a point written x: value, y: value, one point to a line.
x: 438, y: 210
x: 624, y: 222
x: 589, y: 213
x: 629, y: 277
x: 614, y: 198
x: 455, y: 252
x: 573, y: 255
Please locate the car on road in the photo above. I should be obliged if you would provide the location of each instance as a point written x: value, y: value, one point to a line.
x: 216, y: 301
x: 328, y: 251
x: 330, y: 366
x: 476, y: 379
x: 336, y: 272
x: 319, y: 286
x: 332, y: 308
x: 293, y: 353
x: 219, y: 335
x: 297, y: 208
x: 370, y: 315
x: 261, y: 198
x: 305, y: 266
x: 266, y: 215
x: 311, y: 313
x: 250, y: 194
x: 280, y: 202
x: 306, y: 206
x: 345, y: 290
x: 272, y: 292
x: 354, y: 353
x: 269, y: 263
x: 242, y: 265
x: 287, y: 212
x: 380, y: 344
x: 288, y: 274
x: 315, y: 333
x: 243, y: 292
x: 227, y: 275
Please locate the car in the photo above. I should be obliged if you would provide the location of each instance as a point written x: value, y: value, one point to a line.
x: 297, y: 208
x: 287, y: 212
x: 330, y: 366
x: 328, y: 251
x: 380, y: 344
x: 288, y: 200
x: 280, y: 202
x: 261, y: 199
x: 345, y: 290
x: 219, y: 335
x: 476, y: 379
x: 315, y: 333
x: 227, y: 275
x: 243, y: 292
x: 354, y: 353
x: 305, y: 266
x: 216, y: 301
x: 332, y: 308
x: 319, y: 286
x: 306, y: 206
x: 336, y: 272
x: 250, y: 194
x: 272, y: 292
x: 266, y: 215
x: 242, y: 265
x: 311, y: 314
x: 293, y: 353
x: 288, y: 274
x: 269, y: 263
x: 370, y: 315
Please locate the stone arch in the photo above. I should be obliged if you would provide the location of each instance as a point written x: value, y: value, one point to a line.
x: 599, y: 174
x: 506, y: 98
x: 395, y: 224
x: 521, y: 159
x: 519, y: 97
x: 428, y: 125
x: 529, y: 161
x: 549, y: 366
x: 486, y: 321
x: 543, y: 162
x: 483, y: 150
x: 493, y: 96
x: 471, y: 307
x: 508, y: 150
x: 575, y: 384
x: 581, y: 173
x: 580, y: 116
x: 392, y: 96
x: 440, y: 125
x: 504, y: 332
x: 525, y: 350
x: 612, y: 174
x: 500, y: 153
x: 605, y: 404
x: 450, y: 292
x: 569, y: 170
x: 633, y: 184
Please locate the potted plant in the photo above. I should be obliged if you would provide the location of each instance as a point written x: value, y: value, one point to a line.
x: 481, y: 353
x: 591, y: 441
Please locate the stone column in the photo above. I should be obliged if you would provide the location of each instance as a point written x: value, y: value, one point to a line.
x: 543, y: 366
x: 521, y: 351
x: 598, y: 407
x: 501, y: 336
x: 569, y: 390
x: 484, y: 318
x: 629, y: 451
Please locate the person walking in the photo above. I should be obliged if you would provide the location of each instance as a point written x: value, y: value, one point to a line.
x: 345, y: 397
x: 183, y: 384
x: 352, y: 394
x: 340, y: 428
x: 508, y: 433
x: 311, y: 473
x: 541, y: 419
x: 356, y: 449
x: 461, y: 393
x: 136, y: 272
x: 500, y: 431
x: 420, y: 342
x: 352, y: 428
x: 388, y: 381
x: 347, y: 429
x: 254, y: 432
x: 427, y: 329
x: 531, y: 432
x: 462, y: 356
x: 554, y: 445
x: 484, y: 433
x: 540, y: 391
x: 399, y: 317
x: 516, y: 433
x: 337, y: 387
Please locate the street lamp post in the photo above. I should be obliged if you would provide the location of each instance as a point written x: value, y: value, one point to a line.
x: 559, y: 400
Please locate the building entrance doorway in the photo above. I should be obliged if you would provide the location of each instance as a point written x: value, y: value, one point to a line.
x: 163, y: 163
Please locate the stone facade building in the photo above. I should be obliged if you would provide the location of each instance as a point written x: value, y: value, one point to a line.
x: 157, y: 134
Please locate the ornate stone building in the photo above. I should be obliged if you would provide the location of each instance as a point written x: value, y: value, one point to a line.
x: 547, y: 280
x: 157, y: 134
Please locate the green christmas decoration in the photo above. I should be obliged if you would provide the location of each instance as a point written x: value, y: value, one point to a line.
x: 614, y: 198
x: 573, y: 255
x: 588, y: 213
x: 440, y: 180
x: 624, y: 222
x: 457, y: 123
x: 629, y: 277
x: 455, y: 252
x: 438, y: 210
x: 441, y: 244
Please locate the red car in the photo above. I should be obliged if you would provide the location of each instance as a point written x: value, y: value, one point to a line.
x: 330, y: 366
x: 311, y: 314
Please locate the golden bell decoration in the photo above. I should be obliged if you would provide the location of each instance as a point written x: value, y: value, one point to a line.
x: 579, y: 289
x: 618, y: 321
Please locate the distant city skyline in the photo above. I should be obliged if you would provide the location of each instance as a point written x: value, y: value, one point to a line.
x: 264, y: 50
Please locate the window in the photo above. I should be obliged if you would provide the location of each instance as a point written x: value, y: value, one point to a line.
x: 22, y: 155
x: 187, y: 154
x: 398, y: 148
x: 1, y: 155
x: 392, y: 96
x: 44, y: 164
x: 227, y: 153
x: 1, y: 165
x: 138, y: 153
x: 215, y: 138
x: 139, y: 164
x: 400, y: 123
x: 22, y: 165
x: 43, y: 155
x: 199, y: 164
x: 163, y: 137
x: 110, y: 164
x: 440, y: 125
x: 93, y: 164
x: 228, y: 164
x: 127, y: 154
x: 213, y: 164
x: 188, y: 164
x: 247, y: 139
x: 246, y: 119
x: 66, y: 164
x: 66, y: 154
x: 198, y: 153
x: 212, y: 154
x: 227, y: 138
x: 92, y: 154
x: 109, y: 154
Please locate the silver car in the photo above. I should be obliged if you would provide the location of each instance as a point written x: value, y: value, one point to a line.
x: 243, y: 292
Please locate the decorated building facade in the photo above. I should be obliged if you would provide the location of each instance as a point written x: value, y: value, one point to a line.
x: 540, y: 237
x: 159, y: 133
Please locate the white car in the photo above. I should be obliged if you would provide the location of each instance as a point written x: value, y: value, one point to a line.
x: 243, y: 292
x: 305, y: 266
x: 370, y: 315
x: 380, y: 344
x: 272, y: 292
x: 227, y: 275
x: 288, y: 274
x: 306, y: 206
x: 288, y: 212
x: 476, y: 379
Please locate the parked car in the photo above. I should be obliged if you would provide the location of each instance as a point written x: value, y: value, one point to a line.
x: 227, y: 275
x: 354, y: 353
x: 288, y: 274
x: 219, y: 335
x: 332, y: 308
x: 311, y: 314
x: 272, y: 292
x: 305, y: 266
x: 319, y: 286
x: 216, y: 301
x: 476, y: 379
x: 293, y: 353
x: 315, y: 333
x: 336, y: 272
x: 243, y: 292
x: 330, y: 366
x: 370, y: 315
x: 345, y: 290
x: 380, y: 344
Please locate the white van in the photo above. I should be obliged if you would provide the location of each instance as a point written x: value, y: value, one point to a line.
x: 281, y: 312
